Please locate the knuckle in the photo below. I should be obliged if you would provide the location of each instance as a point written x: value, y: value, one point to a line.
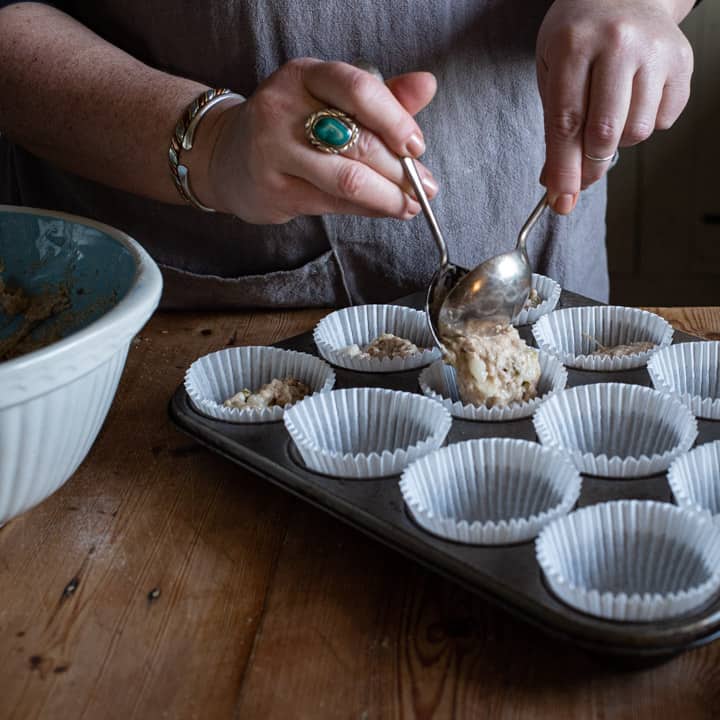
x: 603, y: 132
x: 637, y: 131
x: 565, y: 124
x: 296, y: 67
x: 367, y: 146
x: 362, y: 87
x: 571, y: 40
x: 685, y: 55
x: 619, y: 35
x: 350, y: 180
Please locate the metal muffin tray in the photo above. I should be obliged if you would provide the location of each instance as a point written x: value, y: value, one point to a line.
x: 506, y: 575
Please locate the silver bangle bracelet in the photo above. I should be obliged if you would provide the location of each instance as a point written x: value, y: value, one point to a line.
x: 184, y: 135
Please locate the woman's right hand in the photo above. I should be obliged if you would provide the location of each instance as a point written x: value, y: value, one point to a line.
x: 263, y: 169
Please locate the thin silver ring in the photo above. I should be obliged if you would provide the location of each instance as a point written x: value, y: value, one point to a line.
x: 595, y: 158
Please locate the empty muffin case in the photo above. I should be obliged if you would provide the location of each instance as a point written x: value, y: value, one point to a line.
x: 506, y: 575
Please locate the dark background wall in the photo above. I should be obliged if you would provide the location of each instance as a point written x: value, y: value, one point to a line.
x: 664, y: 195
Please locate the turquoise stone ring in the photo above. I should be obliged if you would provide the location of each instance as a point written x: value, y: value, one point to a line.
x: 331, y: 130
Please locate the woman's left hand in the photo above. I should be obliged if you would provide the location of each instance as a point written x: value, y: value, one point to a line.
x: 609, y: 73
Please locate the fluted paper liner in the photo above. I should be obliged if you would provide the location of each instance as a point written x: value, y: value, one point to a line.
x: 366, y: 432
x: 491, y: 491
x: 549, y: 291
x: 439, y: 383
x: 362, y: 324
x: 691, y: 372
x: 570, y: 334
x: 615, y: 429
x: 695, y: 480
x: 214, y: 378
x: 631, y: 560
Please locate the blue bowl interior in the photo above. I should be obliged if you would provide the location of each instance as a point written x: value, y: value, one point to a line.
x: 42, y: 254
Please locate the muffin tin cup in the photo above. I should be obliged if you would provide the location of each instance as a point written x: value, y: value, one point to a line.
x: 691, y: 372
x: 695, y: 481
x: 549, y: 291
x: 366, y: 432
x: 490, y: 491
x: 439, y: 383
x: 570, y: 334
x: 361, y: 324
x: 631, y: 560
x: 615, y: 429
x: 214, y: 378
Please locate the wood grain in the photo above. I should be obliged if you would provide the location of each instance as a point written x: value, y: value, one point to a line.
x: 163, y: 581
x: 701, y: 321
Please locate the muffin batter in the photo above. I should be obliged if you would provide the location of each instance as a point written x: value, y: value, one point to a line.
x: 386, y: 345
x: 494, y: 369
x: 277, y: 392
x: 622, y: 350
x: 533, y: 300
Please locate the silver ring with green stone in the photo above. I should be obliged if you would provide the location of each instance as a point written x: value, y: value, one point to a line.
x: 331, y: 130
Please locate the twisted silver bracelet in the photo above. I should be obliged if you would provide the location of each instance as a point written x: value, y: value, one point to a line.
x: 182, y: 139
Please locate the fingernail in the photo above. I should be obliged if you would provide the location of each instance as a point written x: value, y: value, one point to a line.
x: 413, y: 208
x: 431, y: 187
x: 563, y: 203
x: 415, y: 146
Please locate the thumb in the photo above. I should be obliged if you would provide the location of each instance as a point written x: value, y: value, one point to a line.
x: 413, y: 90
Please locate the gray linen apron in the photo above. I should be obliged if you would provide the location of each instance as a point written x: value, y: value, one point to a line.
x: 484, y: 133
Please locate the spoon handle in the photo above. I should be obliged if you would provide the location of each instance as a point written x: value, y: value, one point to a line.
x: 412, y: 174
x: 530, y: 222
x: 540, y: 208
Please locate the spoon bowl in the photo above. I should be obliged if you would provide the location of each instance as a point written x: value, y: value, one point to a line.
x: 495, y: 291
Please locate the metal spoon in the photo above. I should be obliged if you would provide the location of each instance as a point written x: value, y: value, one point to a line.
x: 495, y: 291
x: 447, y: 276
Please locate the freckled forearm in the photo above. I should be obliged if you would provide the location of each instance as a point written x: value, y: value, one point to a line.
x: 86, y: 105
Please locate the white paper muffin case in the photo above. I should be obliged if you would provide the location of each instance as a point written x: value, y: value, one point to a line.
x: 549, y: 291
x: 570, y: 334
x: 690, y: 371
x: 631, y: 560
x: 695, y: 480
x: 366, y: 432
x: 439, y: 383
x: 491, y: 491
x: 616, y: 430
x: 214, y: 378
x: 361, y: 324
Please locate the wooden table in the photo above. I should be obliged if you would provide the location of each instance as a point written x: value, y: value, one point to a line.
x: 163, y: 582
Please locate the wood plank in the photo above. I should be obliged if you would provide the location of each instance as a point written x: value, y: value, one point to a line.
x: 266, y: 607
x: 701, y: 321
x: 148, y: 510
x: 368, y: 634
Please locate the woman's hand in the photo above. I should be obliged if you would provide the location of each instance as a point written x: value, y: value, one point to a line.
x: 263, y: 169
x: 609, y: 73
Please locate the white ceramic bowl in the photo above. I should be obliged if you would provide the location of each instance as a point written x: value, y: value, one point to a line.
x: 54, y: 400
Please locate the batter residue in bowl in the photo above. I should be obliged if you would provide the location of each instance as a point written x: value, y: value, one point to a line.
x: 33, y: 310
